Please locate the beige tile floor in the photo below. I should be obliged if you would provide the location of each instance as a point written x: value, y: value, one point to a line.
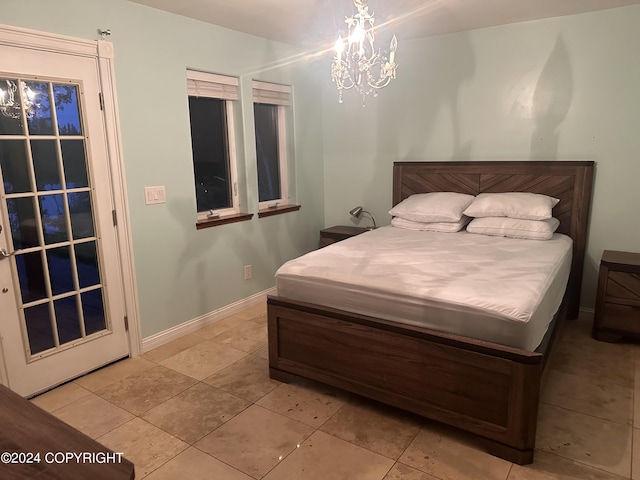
x: 203, y: 407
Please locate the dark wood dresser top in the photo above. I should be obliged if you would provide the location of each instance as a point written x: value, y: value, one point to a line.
x: 343, y: 230
x: 612, y: 257
x: 27, y: 429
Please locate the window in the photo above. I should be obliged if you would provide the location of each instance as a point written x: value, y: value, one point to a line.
x: 213, y: 143
x: 270, y: 106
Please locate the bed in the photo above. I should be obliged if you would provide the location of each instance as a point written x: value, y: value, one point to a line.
x: 486, y: 388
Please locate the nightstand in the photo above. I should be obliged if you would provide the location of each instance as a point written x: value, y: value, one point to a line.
x: 618, y: 298
x: 339, y: 233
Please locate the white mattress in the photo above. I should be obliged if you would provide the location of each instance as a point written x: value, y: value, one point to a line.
x: 496, y: 289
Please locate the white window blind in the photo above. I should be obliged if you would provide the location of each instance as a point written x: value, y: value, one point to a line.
x: 200, y: 84
x: 271, y: 93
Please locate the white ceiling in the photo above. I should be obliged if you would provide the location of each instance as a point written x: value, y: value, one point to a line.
x: 316, y: 22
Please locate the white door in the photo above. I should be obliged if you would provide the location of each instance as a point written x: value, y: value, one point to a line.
x: 62, y: 311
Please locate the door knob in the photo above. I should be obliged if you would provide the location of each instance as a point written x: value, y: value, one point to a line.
x: 5, y: 254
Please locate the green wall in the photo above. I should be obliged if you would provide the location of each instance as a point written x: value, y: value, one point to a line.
x: 566, y: 88
x: 562, y: 88
x: 183, y: 273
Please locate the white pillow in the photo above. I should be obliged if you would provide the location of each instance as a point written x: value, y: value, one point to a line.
x: 446, y: 227
x: 433, y: 207
x: 528, y: 206
x: 514, y: 227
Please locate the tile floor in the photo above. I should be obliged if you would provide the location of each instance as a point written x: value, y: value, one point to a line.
x: 203, y: 407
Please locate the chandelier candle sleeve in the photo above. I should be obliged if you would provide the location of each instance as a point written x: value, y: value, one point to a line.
x: 392, y: 49
x: 357, y: 65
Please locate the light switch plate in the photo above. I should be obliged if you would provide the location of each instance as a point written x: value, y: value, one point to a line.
x: 153, y: 195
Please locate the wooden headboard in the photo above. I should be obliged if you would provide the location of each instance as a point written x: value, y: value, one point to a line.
x: 569, y: 181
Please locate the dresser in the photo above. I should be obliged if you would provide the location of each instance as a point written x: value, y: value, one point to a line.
x: 35, y: 444
x: 618, y: 298
x: 338, y: 233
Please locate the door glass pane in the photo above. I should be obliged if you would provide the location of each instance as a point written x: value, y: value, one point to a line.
x: 66, y: 99
x: 93, y: 311
x: 36, y: 97
x: 81, y: 218
x: 60, y: 270
x: 75, y: 166
x: 45, y: 164
x: 53, y: 218
x: 87, y: 261
x: 15, y: 170
x: 22, y: 219
x: 10, y: 108
x: 31, y: 276
x: 67, y: 319
x: 38, y: 320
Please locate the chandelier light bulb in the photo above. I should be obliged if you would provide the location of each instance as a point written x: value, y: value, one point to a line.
x: 339, y: 47
x: 358, y: 35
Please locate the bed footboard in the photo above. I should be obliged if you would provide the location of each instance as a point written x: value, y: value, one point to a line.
x: 486, y: 389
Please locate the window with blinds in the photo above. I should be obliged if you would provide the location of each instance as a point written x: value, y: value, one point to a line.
x: 270, y: 105
x: 213, y: 143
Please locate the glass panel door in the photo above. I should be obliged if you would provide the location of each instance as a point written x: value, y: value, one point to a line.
x: 44, y: 172
x: 61, y: 286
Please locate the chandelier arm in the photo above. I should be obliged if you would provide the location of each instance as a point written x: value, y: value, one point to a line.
x: 341, y: 75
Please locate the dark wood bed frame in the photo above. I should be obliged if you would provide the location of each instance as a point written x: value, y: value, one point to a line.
x: 486, y: 389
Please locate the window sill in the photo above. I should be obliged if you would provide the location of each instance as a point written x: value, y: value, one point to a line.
x: 233, y: 218
x: 268, y: 212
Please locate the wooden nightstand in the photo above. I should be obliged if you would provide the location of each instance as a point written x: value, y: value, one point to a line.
x: 618, y: 299
x: 338, y: 233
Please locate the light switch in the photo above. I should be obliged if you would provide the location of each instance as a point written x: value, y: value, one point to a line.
x: 154, y: 195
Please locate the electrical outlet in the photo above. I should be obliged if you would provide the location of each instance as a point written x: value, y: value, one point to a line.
x: 247, y: 272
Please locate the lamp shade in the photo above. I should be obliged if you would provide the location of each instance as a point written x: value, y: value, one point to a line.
x: 356, y: 212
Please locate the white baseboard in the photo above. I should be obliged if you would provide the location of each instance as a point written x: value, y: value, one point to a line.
x: 190, y: 326
x: 586, y: 313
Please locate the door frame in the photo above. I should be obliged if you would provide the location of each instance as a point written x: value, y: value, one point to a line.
x: 102, y: 51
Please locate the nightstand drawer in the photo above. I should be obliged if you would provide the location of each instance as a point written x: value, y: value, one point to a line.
x: 623, y: 285
x: 324, y: 241
x: 622, y: 318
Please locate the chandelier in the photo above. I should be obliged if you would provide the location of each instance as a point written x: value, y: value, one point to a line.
x: 357, y: 64
x: 10, y: 106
